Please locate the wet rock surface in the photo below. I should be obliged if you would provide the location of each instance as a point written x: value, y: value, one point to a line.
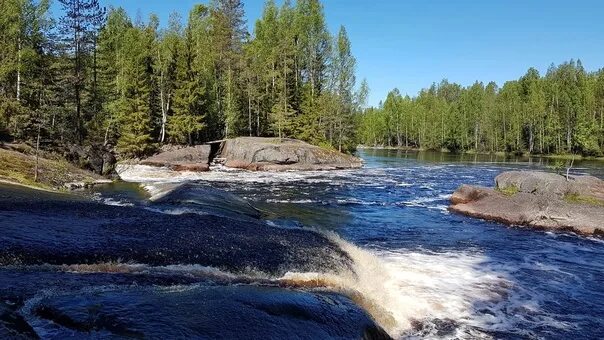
x: 537, y: 199
x: 273, y: 154
x: 57, y: 232
x: 206, y: 312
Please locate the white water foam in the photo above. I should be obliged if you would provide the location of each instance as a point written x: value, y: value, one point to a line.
x: 110, y: 201
x: 400, y: 289
x: 427, y: 202
x: 150, y: 174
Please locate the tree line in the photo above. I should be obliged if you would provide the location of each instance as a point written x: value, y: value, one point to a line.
x: 98, y: 76
x: 560, y: 112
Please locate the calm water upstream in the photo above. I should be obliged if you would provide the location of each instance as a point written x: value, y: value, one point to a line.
x: 430, y: 272
x: 419, y: 271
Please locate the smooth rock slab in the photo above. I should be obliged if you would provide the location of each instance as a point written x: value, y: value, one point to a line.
x: 273, y: 154
x: 544, y: 183
x: 537, y: 200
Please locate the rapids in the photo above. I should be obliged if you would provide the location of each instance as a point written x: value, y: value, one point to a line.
x: 420, y: 270
x: 293, y: 254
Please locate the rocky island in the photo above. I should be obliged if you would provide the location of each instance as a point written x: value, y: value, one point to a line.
x: 537, y: 199
x: 255, y: 154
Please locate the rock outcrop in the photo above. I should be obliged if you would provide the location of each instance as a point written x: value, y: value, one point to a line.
x: 549, y: 184
x: 193, y: 158
x: 274, y: 154
x: 96, y: 158
x: 537, y: 199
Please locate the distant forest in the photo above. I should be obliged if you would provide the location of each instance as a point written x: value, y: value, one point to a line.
x: 97, y: 76
x: 561, y: 112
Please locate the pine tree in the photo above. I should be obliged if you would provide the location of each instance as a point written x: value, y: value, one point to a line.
x: 135, y: 89
x: 190, y: 97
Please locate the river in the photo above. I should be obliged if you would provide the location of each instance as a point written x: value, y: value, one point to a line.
x: 419, y: 270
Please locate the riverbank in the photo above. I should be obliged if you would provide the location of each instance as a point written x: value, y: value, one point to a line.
x: 53, y: 175
x: 564, y: 157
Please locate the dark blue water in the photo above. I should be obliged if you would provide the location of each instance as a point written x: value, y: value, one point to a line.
x: 198, y: 260
x: 443, y: 275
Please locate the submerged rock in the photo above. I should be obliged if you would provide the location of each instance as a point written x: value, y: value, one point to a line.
x: 230, y: 312
x: 57, y: 232
x: 74, y: 268
x: 203, y: 199
x: 193, y: 158
x: 58, y: 302
x: 274, y: 154
x: 537, y: 199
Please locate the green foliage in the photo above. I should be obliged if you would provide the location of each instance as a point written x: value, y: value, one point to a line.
x: 129, y: 84
x: 510, y: 190
x: 97, y: 77
x: 558, y: 166
x: 134, y: 140
x: 134, y: 82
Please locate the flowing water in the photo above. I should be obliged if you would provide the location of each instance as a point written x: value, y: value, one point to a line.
x: 418, y: 270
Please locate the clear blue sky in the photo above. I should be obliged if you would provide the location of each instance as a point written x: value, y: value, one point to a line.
x: 410, y: 44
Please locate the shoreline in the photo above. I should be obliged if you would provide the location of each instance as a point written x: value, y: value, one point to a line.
x: 53, y: 175
x: 5, y: 181
x: 486, y: 153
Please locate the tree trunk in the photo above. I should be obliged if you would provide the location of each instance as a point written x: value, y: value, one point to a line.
x: 19, y: 70
x: 94, y: 75
x: 164, y: 113
x: 568, y: 135
x: 78, y: 100
x: 476, y: 129
x: 107, y: 134
x: 257, y: 118
x: 531, y: 139
x: 37, y: 154
x: 249, y: 114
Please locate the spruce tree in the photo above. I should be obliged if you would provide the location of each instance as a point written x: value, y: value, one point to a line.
x: 77, y: 26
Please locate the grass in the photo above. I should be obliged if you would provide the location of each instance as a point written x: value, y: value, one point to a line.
x: 582, y: 199
x: 510, y: 190
x: 52, y: 174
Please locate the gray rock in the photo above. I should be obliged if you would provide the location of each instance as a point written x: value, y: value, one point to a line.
x: 543, y: 183
x: 273, y: 154
x: 96, y: 158
x: 193, y: 158
x: 540, y: 200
